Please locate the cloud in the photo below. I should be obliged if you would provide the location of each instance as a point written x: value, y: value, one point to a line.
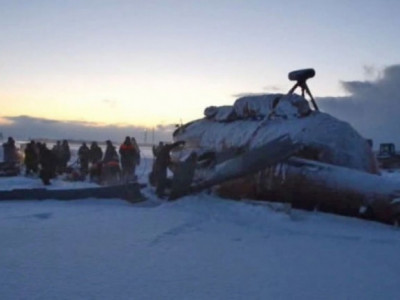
x: 370, y: 71
x: 372, y: 106
x: 111, y: 103
x: 274, y: 89
x: 27, y: 127
x: 166, y: 128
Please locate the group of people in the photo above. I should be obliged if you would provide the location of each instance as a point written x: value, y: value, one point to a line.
x: 38, y: 159
x: 113, y: 167
x: 48, y: 163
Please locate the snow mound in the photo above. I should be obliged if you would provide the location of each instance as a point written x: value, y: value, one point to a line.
x: 259, y: 107
x: 271, y: 105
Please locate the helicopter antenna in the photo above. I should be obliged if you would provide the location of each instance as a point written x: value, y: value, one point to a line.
x: 301, y: 76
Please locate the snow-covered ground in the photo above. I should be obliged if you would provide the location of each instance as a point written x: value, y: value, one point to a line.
x: 200, y: 247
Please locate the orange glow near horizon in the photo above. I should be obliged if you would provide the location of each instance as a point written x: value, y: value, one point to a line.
x: 5, y: 121
x: 145, y: 102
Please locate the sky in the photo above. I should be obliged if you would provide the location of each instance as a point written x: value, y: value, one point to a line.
x: 136, y: 65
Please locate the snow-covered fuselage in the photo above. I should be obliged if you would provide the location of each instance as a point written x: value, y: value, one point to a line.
x: 334, y: 171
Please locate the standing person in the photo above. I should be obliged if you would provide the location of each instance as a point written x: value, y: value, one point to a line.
x: 128, y: 154
x: 57, y: 154
x: 31, y: 159
x: 65, y: 155
x: 95, y: 156
x: 111, y: 172
x: 10, y: 154
x: 83, y: 154
x: 95, y: 153
x: 137, y: 149
x: 48, y: 163
x: 156, y: 149
x: 159, y: 173
x: 110, y: 154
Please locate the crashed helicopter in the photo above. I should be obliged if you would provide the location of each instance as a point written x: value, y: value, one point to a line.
x: 281, y: 147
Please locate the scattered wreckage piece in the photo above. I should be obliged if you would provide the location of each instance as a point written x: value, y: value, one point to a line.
x: 312, y: 185
x: 243, y: 164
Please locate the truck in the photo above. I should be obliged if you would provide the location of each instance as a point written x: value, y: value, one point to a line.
x: 387, y: 156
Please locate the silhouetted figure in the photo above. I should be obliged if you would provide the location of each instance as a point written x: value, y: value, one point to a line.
x: 159, y: 173
x: 137, y: 149
x: 95, y: 153
x: 156, y: 149
x: 95, y: 156
x: 31, y: 159
x: 56, y: 150
x: 110, y: 153
x: 128, y: 153
x: 65, y: 155
x: 11, y: 164
x: 110, y: 172
x: 10, y: 153
x: 83, y: 154
x: 48, y: 163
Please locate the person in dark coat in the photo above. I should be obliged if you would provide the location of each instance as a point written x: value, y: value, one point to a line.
x: 128, y: 153
x: 83, y: 154
x: 10, y: 152
x: 159, y: 172
x: 65, y: 155
x: 95, y: 153
x: 137, y: 149
x: 111, y: 172
x: 31, y: 159
x: 48, y: 163
x: 110, y: 153
x: 156, y: 149
x: 57, y: 154
x: 95, y: 156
